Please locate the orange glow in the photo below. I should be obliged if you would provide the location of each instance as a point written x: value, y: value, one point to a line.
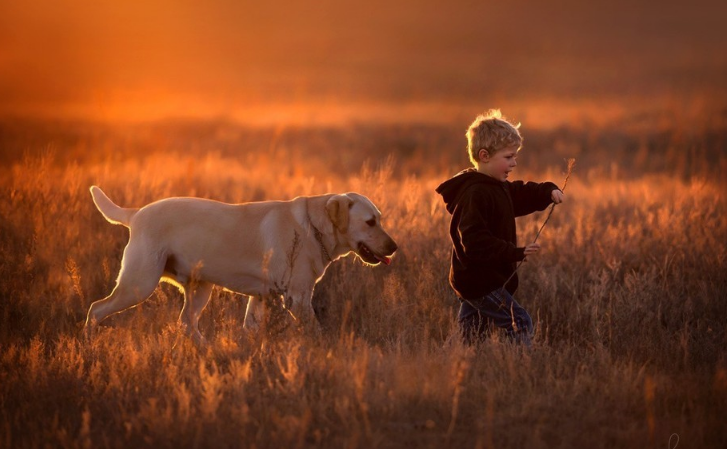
x: 415, y: 60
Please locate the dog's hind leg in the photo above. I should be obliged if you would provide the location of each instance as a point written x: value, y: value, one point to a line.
x: 196, y: 296
x: 139, y: 276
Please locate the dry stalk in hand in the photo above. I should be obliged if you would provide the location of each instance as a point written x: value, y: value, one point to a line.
x: 571, y: 164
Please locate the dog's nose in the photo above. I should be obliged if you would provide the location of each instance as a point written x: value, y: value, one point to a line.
x: 391, y: 247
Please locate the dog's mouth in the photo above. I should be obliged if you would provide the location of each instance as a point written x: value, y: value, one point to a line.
x: 370, y: 257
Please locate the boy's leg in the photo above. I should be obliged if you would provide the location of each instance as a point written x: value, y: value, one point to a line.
x: 516, y: 321
x: 500, y: 309
x: 473, y: 325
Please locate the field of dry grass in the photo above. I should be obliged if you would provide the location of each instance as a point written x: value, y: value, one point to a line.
x: 628, y: 296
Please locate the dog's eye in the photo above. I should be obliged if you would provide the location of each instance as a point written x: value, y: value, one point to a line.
x: 371, y: 222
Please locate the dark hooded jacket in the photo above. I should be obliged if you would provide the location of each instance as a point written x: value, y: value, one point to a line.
x: 483, y: 233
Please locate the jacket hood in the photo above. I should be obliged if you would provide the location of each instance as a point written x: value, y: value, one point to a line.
x: 452, y: 188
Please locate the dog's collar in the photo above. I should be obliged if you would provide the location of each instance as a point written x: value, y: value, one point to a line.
x: 319, y: 236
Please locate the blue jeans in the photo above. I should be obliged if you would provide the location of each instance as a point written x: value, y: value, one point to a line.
x: 477, y: 317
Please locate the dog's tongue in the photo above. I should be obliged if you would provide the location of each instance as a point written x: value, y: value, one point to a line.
x: 386, y: 260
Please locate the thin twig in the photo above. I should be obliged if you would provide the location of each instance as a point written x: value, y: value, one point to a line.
x: 571, y: 164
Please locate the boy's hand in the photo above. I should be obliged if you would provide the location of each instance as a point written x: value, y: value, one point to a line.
x: 532, y: 249
x: 557, y: 196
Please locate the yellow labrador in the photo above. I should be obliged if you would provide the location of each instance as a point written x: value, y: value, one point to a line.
x: 268, y: 249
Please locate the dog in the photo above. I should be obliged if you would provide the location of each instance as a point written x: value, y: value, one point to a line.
x: 264, y: 250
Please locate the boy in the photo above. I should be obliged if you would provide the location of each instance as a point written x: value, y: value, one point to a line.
x: 484, y: 204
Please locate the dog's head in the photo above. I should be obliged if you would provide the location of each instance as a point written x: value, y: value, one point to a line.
x: 359, y: 222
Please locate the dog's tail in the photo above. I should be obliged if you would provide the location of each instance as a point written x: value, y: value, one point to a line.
x: 111, y: 212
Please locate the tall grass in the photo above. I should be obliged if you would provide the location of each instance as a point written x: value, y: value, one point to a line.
x: 628, y: 296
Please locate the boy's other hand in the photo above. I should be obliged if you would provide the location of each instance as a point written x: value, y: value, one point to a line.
x: 532, y: 249
x: 557, y: 196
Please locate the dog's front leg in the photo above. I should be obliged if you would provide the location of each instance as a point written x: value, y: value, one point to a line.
x: 254, y: 314
x: 300, y: 304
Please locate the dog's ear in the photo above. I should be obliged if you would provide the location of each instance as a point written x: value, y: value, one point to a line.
x: 337, y: 208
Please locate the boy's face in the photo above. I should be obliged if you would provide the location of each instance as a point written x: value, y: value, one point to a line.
x: 500, y: 164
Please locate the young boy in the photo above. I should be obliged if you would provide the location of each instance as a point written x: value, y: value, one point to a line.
x: 484, y: 204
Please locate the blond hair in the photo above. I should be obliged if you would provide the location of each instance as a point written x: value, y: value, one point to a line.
x: 491, y: 132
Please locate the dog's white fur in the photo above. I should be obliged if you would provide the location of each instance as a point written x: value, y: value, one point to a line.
x: 262, y: 250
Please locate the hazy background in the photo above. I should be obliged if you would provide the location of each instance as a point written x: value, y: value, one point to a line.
x: 330, y: 60
x: 242, y: 102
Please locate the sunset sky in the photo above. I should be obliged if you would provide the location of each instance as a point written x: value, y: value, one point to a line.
x: 108, y: 59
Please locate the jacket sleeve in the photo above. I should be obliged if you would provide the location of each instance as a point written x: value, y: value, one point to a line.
x: 531, y: 196
x: 479, y: 245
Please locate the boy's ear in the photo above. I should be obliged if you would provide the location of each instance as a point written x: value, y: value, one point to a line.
x: 483, y: 155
